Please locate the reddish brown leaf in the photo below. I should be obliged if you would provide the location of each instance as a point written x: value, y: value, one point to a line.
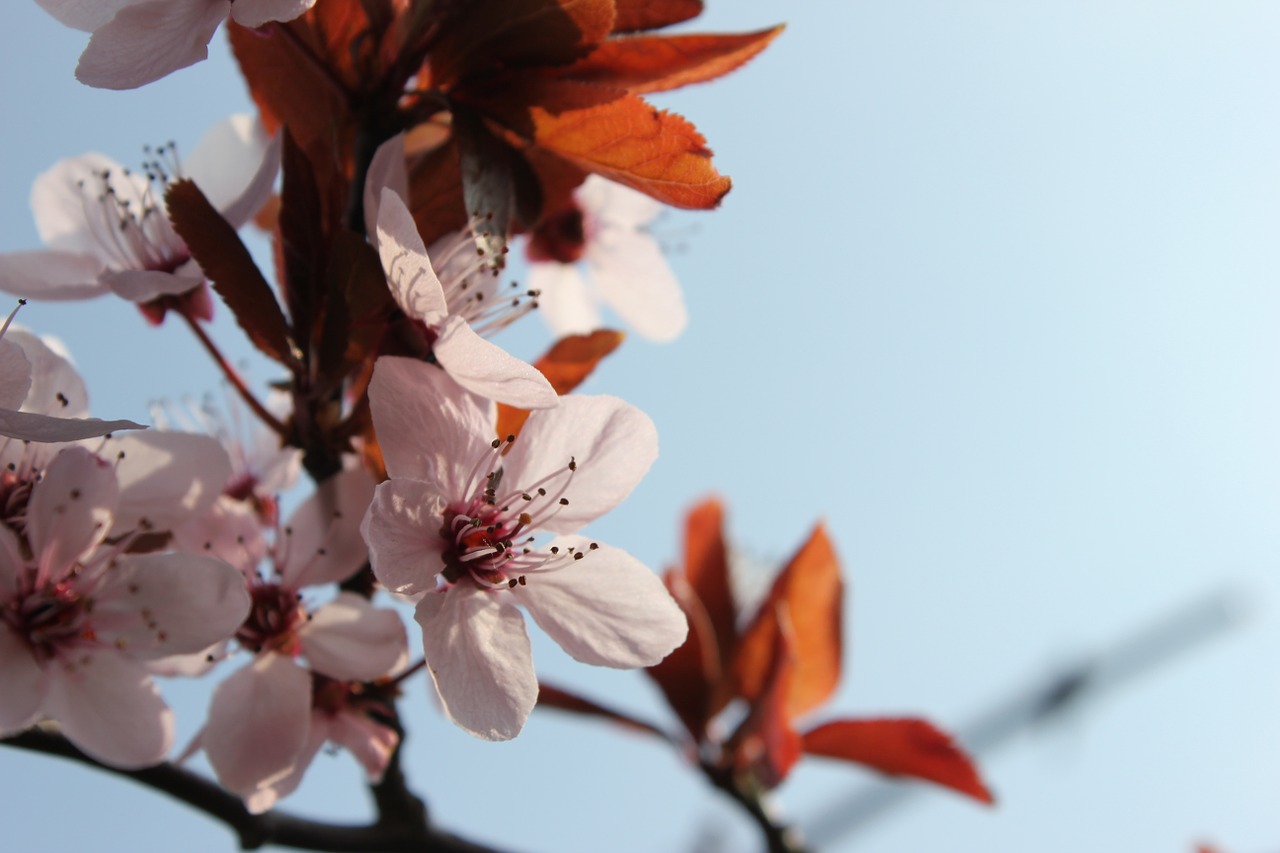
x: 706, y: 567
x: 636, y: 15
x: 435, y: 190
x: 217, y: 248
x: 554, y: 697
x: 570, y: 361
x: 810, y: 591
x: 687, y: 675
x: 900, y: 747
x: 612, y: 133
x: 491, y: 34
x: 766, y: 744
x: 645, y: 64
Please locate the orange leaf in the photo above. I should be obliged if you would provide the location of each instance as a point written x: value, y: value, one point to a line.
x: 613, y: 133
x: 686, y: 676
x: 706, y: 566
x: 635, y: 15
x: 565, y: 365
x: 658, y: 63
x: 765, y: 744
x: 809, y: 590
x: 900, y: 747
x: 483, y: 35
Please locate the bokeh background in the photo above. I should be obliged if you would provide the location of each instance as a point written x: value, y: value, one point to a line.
x: 996, y: 295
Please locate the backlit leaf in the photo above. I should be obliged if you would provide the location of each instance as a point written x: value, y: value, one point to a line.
x: 636, y: 15
x: 688, y: 675
x: 644, y: 64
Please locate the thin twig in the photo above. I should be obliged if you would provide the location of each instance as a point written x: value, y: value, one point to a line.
x: 233, y: 376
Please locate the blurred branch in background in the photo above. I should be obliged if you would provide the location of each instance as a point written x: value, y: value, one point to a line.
x: 1071, y: 689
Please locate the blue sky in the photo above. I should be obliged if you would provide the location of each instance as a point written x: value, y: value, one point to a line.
x: 995, y: 294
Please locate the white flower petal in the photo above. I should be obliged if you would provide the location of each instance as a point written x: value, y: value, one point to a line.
x: 266, y: 796
x: 607, y: 609
x: 148, y: 40
x: 66, y: 205
x: 478, y: 654
x: 108, y: 706
x: 612, y: 442
x: 255, y: 13
x: 25, y: 683
x: 33, y: 427
x: 15, y: 375
x: 52, y: 275
x: 614, y: 205
x: 235, y: 165
x: 56, y: 386
x: 370, y: 743
x: 487, y: 369
x: 70, y: 510
x: 428, y: 427
x: 413, y: 282
x: 351, y: 640
x: 402, y: 529
x: 634, y: 279
x: 146, y: 285
x: 564, y: 300
x: 165, y: 477
x: 230, y: 530
x: 258, y: 723
x: 85, y: 15
x: 153, y: 605
x: 322, y: 542
x: 386, y: 171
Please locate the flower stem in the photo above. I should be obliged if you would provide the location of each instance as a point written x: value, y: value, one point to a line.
x: 233, y: 376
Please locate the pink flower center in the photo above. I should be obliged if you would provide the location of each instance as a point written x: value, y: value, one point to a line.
x: 51, y: 619
x: 275, y: 614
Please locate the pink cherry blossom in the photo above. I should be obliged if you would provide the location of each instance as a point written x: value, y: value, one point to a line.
x: 19, y: 420
x: 106, y: 228
x: 136, y: 42
x: 606, y: 228
x: 80, y: 616
x: 451, y: 293
x: 258, y: 737
x: 457, y: 522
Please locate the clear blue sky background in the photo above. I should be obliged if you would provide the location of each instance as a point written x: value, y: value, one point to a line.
x: 996, y: 294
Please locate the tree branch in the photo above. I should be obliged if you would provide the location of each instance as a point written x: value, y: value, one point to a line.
x: 398, y: 830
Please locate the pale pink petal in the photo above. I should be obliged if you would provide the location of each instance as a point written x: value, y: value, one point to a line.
x: 413, y: 282
x: 165, y: 477
x: 85, y: 15
x: 478, y: 654
x: 487, y: 369
x: 235, y: 165
x: 371, y: 744
x: 153, y: 605
x: 146, y: 285
x: 108, y: 706
x: 428, y: 427
x: 258, y: 723
x: 607, y: 609
x: 191, y: 665
x: 32, y: 427
x: 51, y: 275
x: 66, y: 200
x: 351, y: 640
x: 268, y: 795
x: 402, y: 529
x: 611, y: 442
x: 635, y: 280
x: 56, y: 386
x: 15, y: 375
x: 70, y: 510
x: 386, y: 171
x: 230, y: 530
x: 321, y: 541
x: 25, y: 683
x: 255, y: 13
x: 11, y: 563
x: 564, y: 300
x: 615, y: 207
x: 145, y: 41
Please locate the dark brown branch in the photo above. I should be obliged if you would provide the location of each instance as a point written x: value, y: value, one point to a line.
x: 402, y: 828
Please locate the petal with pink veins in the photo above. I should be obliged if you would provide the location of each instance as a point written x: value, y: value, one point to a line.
x: 349, y: 639
x: 487, y: 369
x: 146, y: 285
x: 153, y: 605
x: 15, y: 375
x: 166, y: 477
x: 51, y: 274
x: 85, y: 15
x: 607, y: 609
x: 322, y: 541
x: 402, y: 531
x: 611, y: 443
x: 25, y: 683
x: 635, y: 280
x: 258, y: 723
x: 70, y: 511
x: 564, y: 300
x: 413, y: 282
x: 411, y: 399
x: 148, y: 40
x: 386, y: 171
x: 108, y: 706
x: 479, y: 658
